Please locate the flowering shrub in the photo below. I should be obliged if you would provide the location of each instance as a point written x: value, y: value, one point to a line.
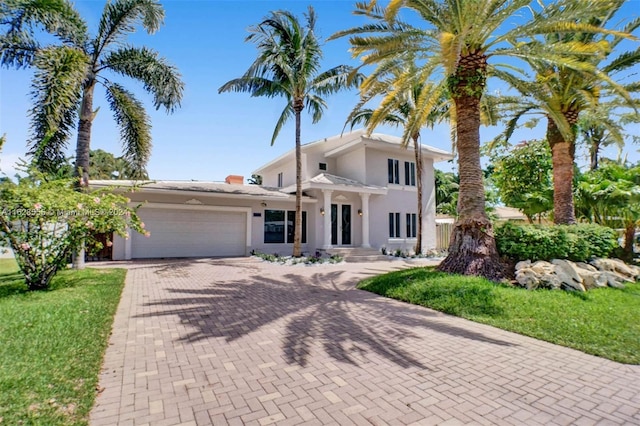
x: 44, y: 222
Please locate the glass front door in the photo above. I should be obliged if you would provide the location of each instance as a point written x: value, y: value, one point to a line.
x: 340, y: 224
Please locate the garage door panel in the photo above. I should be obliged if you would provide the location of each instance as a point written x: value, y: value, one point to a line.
x: 190, y: 233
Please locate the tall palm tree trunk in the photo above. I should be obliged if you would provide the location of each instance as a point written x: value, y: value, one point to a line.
x: 83, y: 148
x: 593, y: 153
x: 297, y: 230
x: 629, y: 236
x: 83, y: 145
x: 418, y: 155
x: 562, y: 160
x: 473, y: 248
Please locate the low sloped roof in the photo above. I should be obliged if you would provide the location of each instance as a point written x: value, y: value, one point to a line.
x: 339, y: 183
x: 248, y: 191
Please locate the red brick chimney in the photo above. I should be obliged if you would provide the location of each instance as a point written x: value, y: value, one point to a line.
x: 234, y: 179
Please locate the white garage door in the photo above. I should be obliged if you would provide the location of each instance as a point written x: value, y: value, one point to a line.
x: 190, y: 233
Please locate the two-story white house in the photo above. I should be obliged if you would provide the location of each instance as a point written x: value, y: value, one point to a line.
x: 358, y: 191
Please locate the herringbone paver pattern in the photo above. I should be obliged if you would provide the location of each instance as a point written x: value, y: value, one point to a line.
x: 239, y: 341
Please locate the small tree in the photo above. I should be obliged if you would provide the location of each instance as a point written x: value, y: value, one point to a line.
x: 523, y: 177
x: 44, y: 222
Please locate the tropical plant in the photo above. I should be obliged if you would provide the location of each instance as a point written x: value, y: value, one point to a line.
x: 562, y: 91
x: 610, y: 196
x: 288, y: 65
x: 44, y: 221
x: 446, y: 186
x: 255, y: 180
x: 454, y: 50
x: 66, y: 75
x: 523, y: 177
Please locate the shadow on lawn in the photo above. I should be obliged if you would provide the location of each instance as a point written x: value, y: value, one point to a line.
x: 12, y: 283
x: 318, y: 311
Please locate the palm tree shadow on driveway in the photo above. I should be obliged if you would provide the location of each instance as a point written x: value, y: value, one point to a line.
x: 317, y: 310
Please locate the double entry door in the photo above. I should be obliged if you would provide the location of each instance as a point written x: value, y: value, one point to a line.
x: 340, y: 224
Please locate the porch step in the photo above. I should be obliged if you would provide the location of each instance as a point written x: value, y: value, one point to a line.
x: 358, y: 254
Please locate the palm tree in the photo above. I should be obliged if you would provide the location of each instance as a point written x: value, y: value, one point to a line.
x: 288, y: 65
x: 67, y: 74
x: 602, y: 125
x: 610, y: 196
x: 397, y: 114
x: 447, y: 186
x: 454, y: 50
x: 564, y: 93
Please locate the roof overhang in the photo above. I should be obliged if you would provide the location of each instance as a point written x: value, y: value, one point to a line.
x: 329, y: 182
x: 387, y: 143
x: 151, y: 187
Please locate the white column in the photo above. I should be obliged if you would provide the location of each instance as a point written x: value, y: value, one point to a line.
x: 327, y: 218
x: 127, y: 244
x: 365, y: 220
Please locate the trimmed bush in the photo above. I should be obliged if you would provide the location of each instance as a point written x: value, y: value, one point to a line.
x: 575, y: 242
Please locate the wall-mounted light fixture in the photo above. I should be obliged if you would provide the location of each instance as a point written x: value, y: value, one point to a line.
x: 263, y: 204
x: 359, y: 212
x: 322, y: 211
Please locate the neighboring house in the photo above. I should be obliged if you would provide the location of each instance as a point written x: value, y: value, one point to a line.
x: 359, y: 191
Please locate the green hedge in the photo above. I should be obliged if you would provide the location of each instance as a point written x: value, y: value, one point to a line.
x: 574, y: 242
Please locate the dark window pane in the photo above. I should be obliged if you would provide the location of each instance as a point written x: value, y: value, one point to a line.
x: 407, y: 176
x: 413, y: 174
x: 396, y: 170
x: 274, y: 226
x: 291, y: 223
x: 390, y: 169
x: 414, y: 223
x: 408, y: 225
x: 304, y: 227
x: 291, y: 220
x: 322, y: 166
x: 334, y: 224
x: 346, y: 224
x: 397, y: 225
x: 391, y: 226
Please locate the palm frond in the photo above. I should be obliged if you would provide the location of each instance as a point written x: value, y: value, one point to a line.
x: 286, y: 114
x: 120, y: 17
x: 135, y: 127
x: 160, y: 78
x: 17, y: 50
x: 57, y: 17
x: 56, y: 89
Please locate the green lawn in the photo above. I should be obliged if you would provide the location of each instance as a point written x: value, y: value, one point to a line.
x: 52, y: 344
x: 603, y: 322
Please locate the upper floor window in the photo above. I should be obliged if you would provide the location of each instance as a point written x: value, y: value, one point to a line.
x: 393, y: 170
x: 410, y: 173
x: 412, y: 225
x: 322, y: 166
x: 394, y: 225
x: 280, y: 180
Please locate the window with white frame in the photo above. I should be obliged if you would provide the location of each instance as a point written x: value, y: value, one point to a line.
x: 279, y: 226
x: 280, y: 180
x: 412, y: 225
x: 410, y: 173
x: 394, y: 225
x: 393, y: 170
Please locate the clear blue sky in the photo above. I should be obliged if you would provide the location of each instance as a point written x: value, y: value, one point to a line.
x: 214, y: 135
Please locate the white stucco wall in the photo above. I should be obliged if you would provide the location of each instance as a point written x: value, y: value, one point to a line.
x: 353, y: 165
x: 399, y: 199
x: 257, y: 222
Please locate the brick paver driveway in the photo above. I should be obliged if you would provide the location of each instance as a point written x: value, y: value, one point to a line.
x: 238, y: 341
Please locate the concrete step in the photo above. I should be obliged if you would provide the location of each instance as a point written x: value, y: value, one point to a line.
x: 358, y: 254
